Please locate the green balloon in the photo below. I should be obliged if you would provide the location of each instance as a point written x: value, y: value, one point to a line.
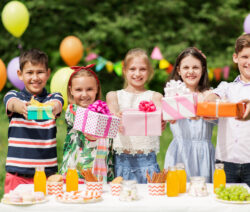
x: 15, y: 18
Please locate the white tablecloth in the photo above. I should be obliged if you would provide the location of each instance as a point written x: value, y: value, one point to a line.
x: 146, y: 203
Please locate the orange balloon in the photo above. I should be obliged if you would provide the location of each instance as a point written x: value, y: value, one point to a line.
x: 71, y: 50
x: 3, y: 74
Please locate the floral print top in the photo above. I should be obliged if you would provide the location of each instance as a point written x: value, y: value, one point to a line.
x: 78, y: 151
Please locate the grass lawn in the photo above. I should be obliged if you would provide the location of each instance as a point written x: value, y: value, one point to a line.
x: 61, y: 132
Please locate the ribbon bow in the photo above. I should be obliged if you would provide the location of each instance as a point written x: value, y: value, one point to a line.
x: 99, y: 107
x: 147, y: 106
x: 79, y: 68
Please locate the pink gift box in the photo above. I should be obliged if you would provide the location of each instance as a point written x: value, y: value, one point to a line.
x: 179, y: 107
x: 140, y: 123
x: 96, y: 124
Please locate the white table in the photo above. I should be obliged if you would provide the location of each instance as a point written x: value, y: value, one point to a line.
x: 146, y: 203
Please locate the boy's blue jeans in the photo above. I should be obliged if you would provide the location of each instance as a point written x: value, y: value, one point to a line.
x: 236, y: 173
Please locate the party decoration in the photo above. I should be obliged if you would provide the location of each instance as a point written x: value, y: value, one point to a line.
x: 101, y: 62
x: 226, y: 70
x: 71, y: 50
x: 59, y: 83
x: 118, y: 68
x: 156, y: 54
x: 109, y: 66
x: 210, y: 74
x: 163, y: 64
x: 246, y: 24
x: 170, y: 68
x: 91, y: 56
x: 12, y: 68
x: 217, y: 74
x: 3, y: 74
x: 15, y: 18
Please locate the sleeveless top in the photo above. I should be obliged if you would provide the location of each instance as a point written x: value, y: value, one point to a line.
x: 127, y: 100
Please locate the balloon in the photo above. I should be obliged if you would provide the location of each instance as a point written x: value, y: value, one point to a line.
x: 59, y: 83
x: 12, y: 68
x: 71, y: 50
x: 3, y: 74
x: 15, y: 18
x: 246, y: 24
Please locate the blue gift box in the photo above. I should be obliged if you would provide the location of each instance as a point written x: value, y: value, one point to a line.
x: 40, y: 113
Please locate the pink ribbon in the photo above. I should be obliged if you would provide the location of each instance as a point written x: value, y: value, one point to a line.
x: 98, y: 107
x: 147, y: 106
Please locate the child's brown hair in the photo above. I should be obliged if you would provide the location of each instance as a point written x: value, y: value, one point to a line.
x: 34, y: 56
x: 242, y: 42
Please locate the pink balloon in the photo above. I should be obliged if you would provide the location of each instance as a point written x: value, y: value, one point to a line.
x: 246, y: 24
x: 12, y: 68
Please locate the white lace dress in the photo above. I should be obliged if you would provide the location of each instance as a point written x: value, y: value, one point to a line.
x: 147, y: 144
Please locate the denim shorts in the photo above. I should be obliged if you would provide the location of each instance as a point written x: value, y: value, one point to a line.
x: 236, y: 172
x: 135, y: 167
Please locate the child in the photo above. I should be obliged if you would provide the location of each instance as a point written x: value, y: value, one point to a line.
x: 82, y: 150
x: 32, y: 143
x: 134, y: 155
x: 191, y: 142
x: 233, y: 137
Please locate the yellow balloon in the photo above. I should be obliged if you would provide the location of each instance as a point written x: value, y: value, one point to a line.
x: 59, y: 83
x: 15, y: 18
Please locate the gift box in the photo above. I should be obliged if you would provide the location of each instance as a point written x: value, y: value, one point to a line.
x: 141, y: 122
x: 40, y: 112
x: 220, y: 109
x: 179, y: 102
x: 99, y: 124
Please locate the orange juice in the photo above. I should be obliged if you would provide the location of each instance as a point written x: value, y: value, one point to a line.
x: 172, y: 182
x: 182, y: 176
x: 40, y: 180
x: 219, y: 175
x: 71, y: 180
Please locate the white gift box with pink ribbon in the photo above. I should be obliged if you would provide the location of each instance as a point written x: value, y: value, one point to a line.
x: 99, y: 124
x: 179, y: 102
x: 145, y: 121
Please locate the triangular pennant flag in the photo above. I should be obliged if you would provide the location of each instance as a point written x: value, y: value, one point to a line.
x: 156, y: 54
x: 109, y: 67
x: 226, y: 70
x: 170, y: 68
x: 91, y: 56
x: 217, y: 74
x: 163, y: 64
x: 101, y: 62
x: 210, y: 74
x: 118, y: 68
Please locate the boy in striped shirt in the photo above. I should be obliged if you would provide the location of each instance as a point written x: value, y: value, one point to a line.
x: 31, y: 143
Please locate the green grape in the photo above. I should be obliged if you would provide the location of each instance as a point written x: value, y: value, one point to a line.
x: 233, y: 193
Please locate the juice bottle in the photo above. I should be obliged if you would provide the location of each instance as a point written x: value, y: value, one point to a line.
x: 219, y: 175
x: 40, y: 180
x: 182, y: 176
x: 71, y: 179
x: 172, y: 182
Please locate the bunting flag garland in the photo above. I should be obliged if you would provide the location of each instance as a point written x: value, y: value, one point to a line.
x: 158, y: 60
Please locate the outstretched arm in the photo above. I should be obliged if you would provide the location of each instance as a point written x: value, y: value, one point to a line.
x: 18, y: 106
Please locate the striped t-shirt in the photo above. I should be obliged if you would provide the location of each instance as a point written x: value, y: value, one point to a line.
x: 31, y: 143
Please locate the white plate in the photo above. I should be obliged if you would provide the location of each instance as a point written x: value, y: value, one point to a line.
x: 231, y: 202
x: 79, y: 201
x: 24, y: 203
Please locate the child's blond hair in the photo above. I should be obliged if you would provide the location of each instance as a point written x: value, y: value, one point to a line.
x: 137, y: 52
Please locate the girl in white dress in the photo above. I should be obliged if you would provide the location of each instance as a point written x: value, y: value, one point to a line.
x: 134, y: 155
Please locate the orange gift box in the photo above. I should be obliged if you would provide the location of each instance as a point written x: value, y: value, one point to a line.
x: 220, y: 109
